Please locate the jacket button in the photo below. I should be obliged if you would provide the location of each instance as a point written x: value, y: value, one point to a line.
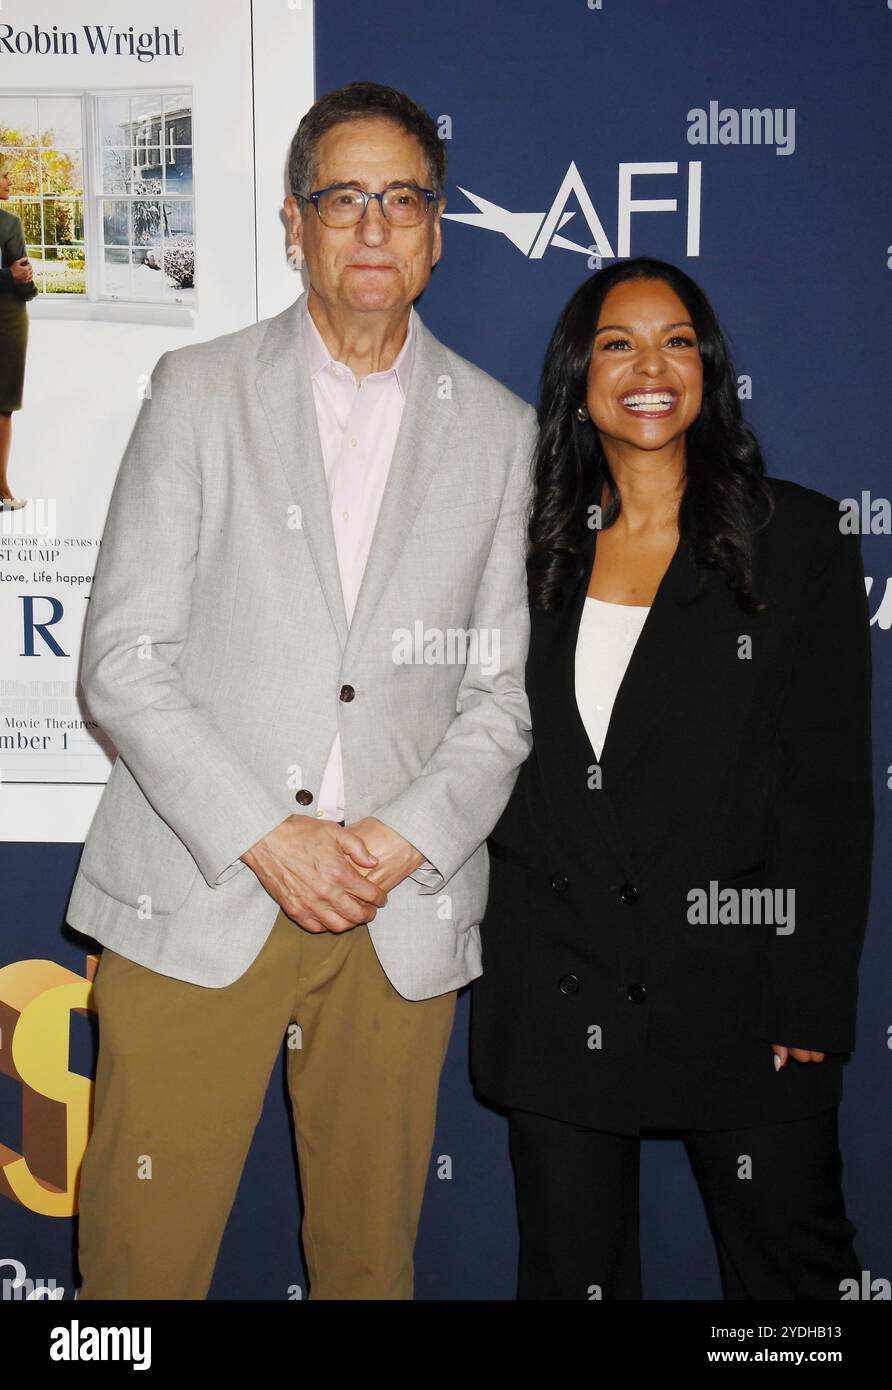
x: 569, y: 984
x: 628, y: 893
x: 559, y: 883
x: 637, y: 993
x: 303, y: 796
x: 347, y: 693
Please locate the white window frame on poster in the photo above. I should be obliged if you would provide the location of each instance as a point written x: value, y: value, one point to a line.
x: 94, y: 303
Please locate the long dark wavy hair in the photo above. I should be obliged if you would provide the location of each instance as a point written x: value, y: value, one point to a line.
x: 725, y: 499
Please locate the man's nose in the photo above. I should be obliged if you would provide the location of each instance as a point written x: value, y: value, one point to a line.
x: 373, y: 226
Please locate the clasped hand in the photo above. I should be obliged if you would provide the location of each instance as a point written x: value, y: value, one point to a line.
x: 330, y: 877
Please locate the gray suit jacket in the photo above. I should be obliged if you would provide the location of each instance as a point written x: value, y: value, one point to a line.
x: 216, y: 647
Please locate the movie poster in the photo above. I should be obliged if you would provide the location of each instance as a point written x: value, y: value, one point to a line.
x: 143, y: 154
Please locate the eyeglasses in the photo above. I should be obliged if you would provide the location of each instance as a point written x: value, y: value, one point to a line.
x: 342, y: 205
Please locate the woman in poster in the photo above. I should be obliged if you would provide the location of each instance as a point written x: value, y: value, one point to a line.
x: 679, y: 883
x: 16, y: 288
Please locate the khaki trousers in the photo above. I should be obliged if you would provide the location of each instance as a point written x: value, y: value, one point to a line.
x: 181, y: 1077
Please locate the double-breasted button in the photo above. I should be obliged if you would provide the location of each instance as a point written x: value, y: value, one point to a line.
x: 303, y: 796
x: 559, y: 883
x: 636, y: 993
x: 347, y: 693
x: 569, y: 984
x: 628, y: 893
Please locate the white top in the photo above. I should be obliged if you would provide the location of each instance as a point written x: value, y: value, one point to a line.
x: 607, y: 636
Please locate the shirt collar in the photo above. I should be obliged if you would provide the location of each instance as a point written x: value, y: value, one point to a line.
x: 320, y: 358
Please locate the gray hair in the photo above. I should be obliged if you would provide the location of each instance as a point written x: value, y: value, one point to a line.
x: 363, y: 101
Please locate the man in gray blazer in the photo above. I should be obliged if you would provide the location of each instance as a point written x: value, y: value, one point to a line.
x: 306, y: 638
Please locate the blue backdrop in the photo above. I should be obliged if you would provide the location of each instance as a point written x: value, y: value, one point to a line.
x: 769, y: 126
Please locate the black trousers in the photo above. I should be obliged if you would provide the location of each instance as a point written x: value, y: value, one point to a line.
x: 773, y: 1196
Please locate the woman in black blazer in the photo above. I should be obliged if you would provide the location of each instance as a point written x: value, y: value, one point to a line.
x: 674, y: 927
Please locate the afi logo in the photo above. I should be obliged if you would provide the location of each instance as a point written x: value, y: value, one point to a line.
x: 533, y: 232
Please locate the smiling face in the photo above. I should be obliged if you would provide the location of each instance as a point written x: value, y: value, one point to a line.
x: 645, y: 380
x: 373, y: 267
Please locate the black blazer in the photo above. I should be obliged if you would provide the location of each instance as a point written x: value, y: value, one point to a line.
x: 600, y: 1002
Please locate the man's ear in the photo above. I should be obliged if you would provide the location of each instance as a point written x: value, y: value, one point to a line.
x: 294, y: 212
x: 438, y: 232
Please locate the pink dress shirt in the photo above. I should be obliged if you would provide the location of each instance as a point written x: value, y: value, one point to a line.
x: 358, y: 426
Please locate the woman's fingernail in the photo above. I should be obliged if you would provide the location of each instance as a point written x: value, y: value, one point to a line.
x: 777, y: 1062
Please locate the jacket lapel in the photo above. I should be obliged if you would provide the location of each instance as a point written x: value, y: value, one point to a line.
x: 420, y: 449
x: 286, y: 394
x: 660, y: 663
x: 664, y: 657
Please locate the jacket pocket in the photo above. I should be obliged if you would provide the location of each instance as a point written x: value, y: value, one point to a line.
x: 745, y: 873
x: 132, y: 855
x: 433, y: 518
x: 519, y: 859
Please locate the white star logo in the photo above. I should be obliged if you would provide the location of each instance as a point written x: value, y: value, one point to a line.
x: 519, y: 227
x: 533, y: 232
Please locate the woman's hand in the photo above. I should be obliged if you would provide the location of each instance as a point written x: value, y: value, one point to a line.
x: 22, y: 271
x: 800, y: 1054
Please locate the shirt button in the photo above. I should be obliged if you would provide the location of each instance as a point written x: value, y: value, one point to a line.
x: 636, y: 993
x: 353, y: 443
x: 559, y: 883
x: 345, y: 515
x: 347, y: 693
x: 628, y: 893
x: 569, y: 984
x: 303, y: 796
x: 320, y: 814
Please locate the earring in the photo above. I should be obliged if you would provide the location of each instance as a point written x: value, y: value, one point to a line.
x: 582, y: 412
x: 295, y: 255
